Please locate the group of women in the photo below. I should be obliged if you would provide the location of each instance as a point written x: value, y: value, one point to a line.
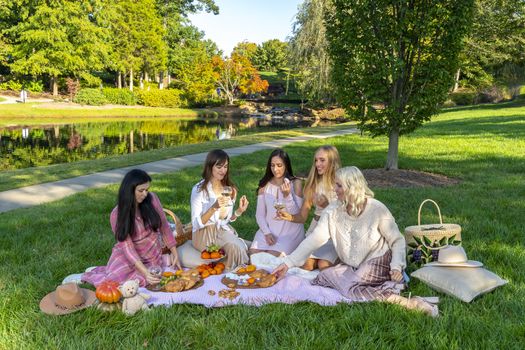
x: 352, y: 239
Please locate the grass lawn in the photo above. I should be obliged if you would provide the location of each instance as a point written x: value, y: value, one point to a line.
x: 31, y: 176
x: 484, y: 147
x: 45, y: 113
x: 2, y: 99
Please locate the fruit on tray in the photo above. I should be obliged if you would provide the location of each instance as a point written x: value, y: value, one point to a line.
x: 205, y: 270
x: 213, y: 251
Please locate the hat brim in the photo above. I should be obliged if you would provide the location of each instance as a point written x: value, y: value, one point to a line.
x: 47, y: 304
x: 468, y: 263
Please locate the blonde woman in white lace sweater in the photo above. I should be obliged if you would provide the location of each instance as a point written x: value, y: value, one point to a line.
x: 367, y: 241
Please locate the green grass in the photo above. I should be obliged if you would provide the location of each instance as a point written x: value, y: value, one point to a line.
x: 2, y: 99
x: 484, y: 147
x: 39, y: 113
x: 31, y: 176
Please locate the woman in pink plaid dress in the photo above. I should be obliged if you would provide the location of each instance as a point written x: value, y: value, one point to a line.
x: 138, y: 223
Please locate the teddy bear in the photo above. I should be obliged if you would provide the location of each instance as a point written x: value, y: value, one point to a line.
x: 133, y: 301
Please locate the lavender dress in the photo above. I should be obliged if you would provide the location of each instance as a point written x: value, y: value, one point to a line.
x: 288, y: 234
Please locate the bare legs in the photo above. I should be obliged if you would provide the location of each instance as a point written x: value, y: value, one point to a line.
x: 311, y: 264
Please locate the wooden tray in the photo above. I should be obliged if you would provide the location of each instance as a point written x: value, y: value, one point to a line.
x: 196, y: 286
x: 228, y: 282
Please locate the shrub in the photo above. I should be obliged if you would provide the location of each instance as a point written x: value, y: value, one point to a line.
x: 494, y: 94
x: 463, y: 97
x: 13, y: 85
x: 448, y: 103
x: 93, y: 97
x: 160, y: 98
x: 35, y: 86
x: 119, y: 96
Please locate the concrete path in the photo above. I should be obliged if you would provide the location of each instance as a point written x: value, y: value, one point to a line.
x: 51, y: 191
x: 12, y: 99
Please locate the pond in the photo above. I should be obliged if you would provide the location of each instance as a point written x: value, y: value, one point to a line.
x: 30, y: 146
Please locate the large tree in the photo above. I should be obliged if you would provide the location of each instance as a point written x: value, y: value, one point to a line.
x: 309, y: 59
x: 271, y: 55
x: 59, y: 39
x: 394, y: 61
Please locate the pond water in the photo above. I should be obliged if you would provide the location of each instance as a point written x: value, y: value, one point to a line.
x: 29, y: 146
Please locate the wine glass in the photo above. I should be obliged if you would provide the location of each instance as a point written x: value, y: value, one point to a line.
x: 278, y: 205
x: 156, y: 271
x: 227, y: 191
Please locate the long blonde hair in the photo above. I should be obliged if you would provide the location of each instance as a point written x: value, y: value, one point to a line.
x: 355, y: 189
x: 327, y: 180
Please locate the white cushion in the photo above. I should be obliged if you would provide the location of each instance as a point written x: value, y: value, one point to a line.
x: 464, y: 283
x: 189, y: 256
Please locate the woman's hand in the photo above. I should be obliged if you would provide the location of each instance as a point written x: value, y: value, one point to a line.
x: 280, y: 271
x: 284, y: 215
x: 286, y: 188
x: 150, y: 278
x: 174, y: 259
x: 321, y: 200
x: 396, y: 276
x: 243, y: 204
x: 221, y: 201
x: 270, y: 239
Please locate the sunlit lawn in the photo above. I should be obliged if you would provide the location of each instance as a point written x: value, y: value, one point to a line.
x: 483, y: 147
x: 44, y: 113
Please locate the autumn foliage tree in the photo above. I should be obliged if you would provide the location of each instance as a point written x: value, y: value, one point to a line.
x: 236, y: 74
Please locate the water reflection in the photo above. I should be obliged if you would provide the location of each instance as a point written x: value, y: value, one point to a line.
x: 28, y: 146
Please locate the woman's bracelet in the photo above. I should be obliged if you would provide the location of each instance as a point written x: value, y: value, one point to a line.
x: 237, y: 214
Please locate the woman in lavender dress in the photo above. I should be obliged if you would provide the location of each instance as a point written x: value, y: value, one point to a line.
x: 278, y: 189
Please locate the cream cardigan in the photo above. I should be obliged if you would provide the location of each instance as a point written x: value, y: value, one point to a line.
x: 356, y: 240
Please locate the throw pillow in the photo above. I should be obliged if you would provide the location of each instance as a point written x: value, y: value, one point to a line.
x: 464, y: 283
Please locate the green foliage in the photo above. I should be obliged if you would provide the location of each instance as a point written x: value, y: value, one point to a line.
x: 35, y: 86
x: 311, y: 65
x: 463, y: 97
x: 58, y: 39
x: 160, y: 98
x: 394, y: 62
x: 272, y: 55
x: 119, y: 96
x: 247, y: 50
x: 12, y: 84
x: 93, y: 97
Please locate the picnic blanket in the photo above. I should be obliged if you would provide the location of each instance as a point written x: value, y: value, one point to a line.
x: 294, y: 288
x: 290, y: 290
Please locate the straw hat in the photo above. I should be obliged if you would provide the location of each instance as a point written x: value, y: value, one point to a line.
x: 67, y: 298
x: 454, y: 256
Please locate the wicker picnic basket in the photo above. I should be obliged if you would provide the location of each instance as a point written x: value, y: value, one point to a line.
x: 431, y: 234
x: 186, y: 229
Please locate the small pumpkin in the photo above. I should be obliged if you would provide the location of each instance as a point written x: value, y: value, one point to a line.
x: 108, y: 292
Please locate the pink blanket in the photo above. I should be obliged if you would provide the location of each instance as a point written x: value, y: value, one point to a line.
x: 290, y: 290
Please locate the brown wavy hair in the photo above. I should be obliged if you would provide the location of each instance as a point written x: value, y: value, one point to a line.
x: 216, y: 157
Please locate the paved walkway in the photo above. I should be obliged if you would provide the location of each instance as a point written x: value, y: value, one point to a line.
x: 48, y: 192
x: 11, y: 99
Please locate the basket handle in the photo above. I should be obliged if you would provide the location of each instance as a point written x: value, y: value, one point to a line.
x: 421, y: 206
x: 176, y: 221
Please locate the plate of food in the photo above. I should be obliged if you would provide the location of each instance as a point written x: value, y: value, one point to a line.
x: 213, y: 253
x: 249, y: 277
x: 179, y: 281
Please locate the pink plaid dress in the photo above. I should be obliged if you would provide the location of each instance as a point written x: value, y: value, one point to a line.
x: 145, y: 245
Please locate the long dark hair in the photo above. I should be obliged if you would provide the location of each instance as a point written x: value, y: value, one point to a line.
x: 126, y: 205
x: 288, y: 172
x: 215, y: 157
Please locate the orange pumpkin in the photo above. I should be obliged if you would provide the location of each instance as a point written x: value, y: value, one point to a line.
x: 108, y: 292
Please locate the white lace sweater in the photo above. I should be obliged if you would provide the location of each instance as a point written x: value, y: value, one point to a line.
x: 356, y: 240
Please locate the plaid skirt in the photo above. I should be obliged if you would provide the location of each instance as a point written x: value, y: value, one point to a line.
x: 370, y: 281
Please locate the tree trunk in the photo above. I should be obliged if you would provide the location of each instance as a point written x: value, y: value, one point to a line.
x: 141, y: 82
x: 169, y: 78
x: 54, y: 85
x: 393, y: 147
x: 131, y: 79
x: 161, y: 80
x: 456, y: 80
x: 119, y: 80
